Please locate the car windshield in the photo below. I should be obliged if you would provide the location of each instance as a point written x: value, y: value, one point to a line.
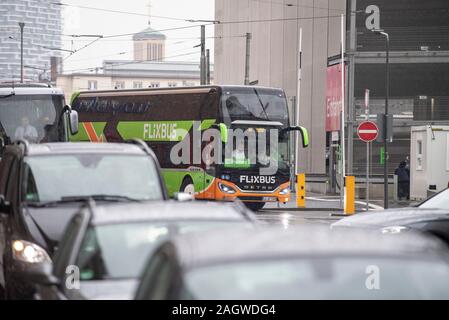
x: 321, y: 278
x: 438, y: 201
x: 54, y: 178
x: 35, y: 118
x: 119, y: 251
x: 254, y: 104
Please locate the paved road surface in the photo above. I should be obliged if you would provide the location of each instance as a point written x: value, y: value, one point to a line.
x: 319, y: 210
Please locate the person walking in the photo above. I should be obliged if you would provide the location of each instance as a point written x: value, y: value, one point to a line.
x: 403, y: 174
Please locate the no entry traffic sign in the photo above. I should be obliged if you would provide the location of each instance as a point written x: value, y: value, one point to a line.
x: 367, y: 131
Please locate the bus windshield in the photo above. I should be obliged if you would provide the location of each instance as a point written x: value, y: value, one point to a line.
x: 240, y: 157
x: 254, y: 104
x: 32, y: 117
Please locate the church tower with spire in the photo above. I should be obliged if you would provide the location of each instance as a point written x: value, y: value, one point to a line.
x: 149, y: 44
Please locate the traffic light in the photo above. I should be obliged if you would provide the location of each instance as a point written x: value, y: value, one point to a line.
x: 385, y: 125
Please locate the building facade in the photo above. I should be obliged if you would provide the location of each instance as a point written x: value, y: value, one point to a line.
x: 121, y: 75
x: 42, y: 33
x: 149, y: 44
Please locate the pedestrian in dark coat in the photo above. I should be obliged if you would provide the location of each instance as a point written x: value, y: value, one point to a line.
x: 403, y: 174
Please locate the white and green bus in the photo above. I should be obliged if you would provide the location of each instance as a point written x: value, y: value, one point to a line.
x: 34, y: 112
x: 170, y: 120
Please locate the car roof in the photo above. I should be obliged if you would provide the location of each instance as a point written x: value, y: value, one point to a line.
x: 275, y: 243
x: 167, y: 211
x: 61, y: 148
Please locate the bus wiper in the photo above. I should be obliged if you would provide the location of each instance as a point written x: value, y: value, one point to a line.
x: 8, y: 95
x: 261, y: 104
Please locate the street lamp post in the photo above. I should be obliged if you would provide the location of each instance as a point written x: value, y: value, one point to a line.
x: 387, y: 96
x: 21, y: 25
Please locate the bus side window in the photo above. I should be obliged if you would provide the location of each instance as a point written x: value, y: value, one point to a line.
x: 210, y: 107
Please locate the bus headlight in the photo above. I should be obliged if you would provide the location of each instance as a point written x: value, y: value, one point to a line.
x: 285, y: 191
x: 28, y: 252
x: 225, y: 188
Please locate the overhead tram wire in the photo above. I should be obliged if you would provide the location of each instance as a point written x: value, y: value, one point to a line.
x: 167, y: 40
x: 127, y: 34
x: 290, y: 4
x: 128, y: 62
x: 130, y: 13
x: 84, y: 47
x: 122, y: 53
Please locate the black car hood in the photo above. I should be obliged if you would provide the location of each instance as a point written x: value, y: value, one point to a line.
x: 47, y: 225
x: 392, y: 217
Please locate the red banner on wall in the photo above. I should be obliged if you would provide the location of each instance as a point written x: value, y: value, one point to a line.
x: 333, y: 98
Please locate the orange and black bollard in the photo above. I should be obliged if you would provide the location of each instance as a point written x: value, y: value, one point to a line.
x: 301, y: 190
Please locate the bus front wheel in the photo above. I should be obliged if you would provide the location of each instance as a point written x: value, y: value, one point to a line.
x: 254, y: 206
x: 187, y: 186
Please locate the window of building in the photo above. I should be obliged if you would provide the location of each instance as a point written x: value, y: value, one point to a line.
x: 419, y: 155
x: 119, y: 85
x: 92, y: 84
x: 154, y: 85
x: 137, y: 84
x: 188, y: 84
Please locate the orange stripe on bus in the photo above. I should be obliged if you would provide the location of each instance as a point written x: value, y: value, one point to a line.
x: 88, y: 126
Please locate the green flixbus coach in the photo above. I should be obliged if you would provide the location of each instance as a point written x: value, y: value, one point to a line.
x: 176, y: 122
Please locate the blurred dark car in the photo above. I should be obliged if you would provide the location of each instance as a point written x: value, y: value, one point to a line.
x: 43, y: 185
x: 299, y: 263
x: 108, y: 246
x: 430, y: 216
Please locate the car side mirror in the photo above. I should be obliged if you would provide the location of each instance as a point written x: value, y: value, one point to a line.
x: 74, y: 122
x: 183, y: 196
x: 41, y: 274
x: 5, y: 206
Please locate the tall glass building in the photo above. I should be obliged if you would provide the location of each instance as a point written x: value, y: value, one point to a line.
x: 42, y: 35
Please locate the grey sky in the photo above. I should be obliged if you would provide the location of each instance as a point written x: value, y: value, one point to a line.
x: 86, y: 21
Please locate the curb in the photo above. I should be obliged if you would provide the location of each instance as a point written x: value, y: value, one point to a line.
x: 303, y: 209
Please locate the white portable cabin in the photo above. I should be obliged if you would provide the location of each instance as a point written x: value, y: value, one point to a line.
x: 429, y: 160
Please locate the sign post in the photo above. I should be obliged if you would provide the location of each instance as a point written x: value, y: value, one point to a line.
x: 367, y: 132
x: 368, y: 147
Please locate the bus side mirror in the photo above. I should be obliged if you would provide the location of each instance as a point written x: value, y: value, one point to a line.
x: 74, y: 124
x: 223, y: 131
x: 302, y: 130
x: 305, y: 137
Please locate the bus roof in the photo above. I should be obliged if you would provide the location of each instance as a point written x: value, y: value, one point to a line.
x: 167, y: 90
x: 6, y: 89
